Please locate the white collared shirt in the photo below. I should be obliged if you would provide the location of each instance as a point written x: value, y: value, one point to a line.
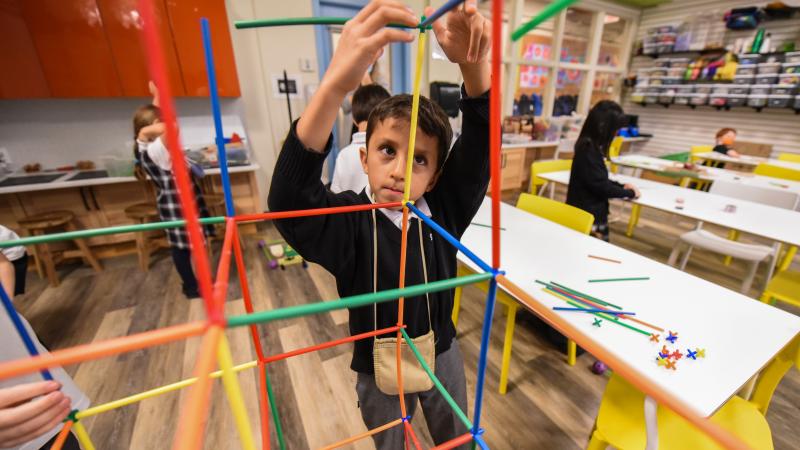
x: 397, y: 216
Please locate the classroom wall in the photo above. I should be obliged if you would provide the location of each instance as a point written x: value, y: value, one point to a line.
x: 677, y: 128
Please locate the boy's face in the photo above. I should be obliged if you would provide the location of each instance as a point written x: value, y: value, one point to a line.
x: 384, y: 161
x: 728, y: 138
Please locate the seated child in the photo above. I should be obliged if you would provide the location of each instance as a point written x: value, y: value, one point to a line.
x: 348, y: 175
x: 725, y: 140
x: 362, y: 249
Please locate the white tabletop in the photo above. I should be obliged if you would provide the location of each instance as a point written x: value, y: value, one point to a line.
x: 530, y: 144
x: 747, y: 160
x: 708, y: 173
x: 777, y: 224
x: 64, y: 181
x: 740, y: 335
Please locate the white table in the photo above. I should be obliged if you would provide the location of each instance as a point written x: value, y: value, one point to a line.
x: 740, y: 335
x: 707, y: 173
x: 747, y: 160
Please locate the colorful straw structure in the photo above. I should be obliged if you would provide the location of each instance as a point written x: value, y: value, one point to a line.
x: 214, y: 349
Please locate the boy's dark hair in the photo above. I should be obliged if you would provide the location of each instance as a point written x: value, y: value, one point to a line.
x: 601, y: 125
x: 431, y: 119
x: 724, y: 131
x: 365, y: 99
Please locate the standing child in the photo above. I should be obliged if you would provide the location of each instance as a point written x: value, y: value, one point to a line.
x: 348, y: 175
x: 362, y: 249
x: 153, y: 160
x: 589, y: 186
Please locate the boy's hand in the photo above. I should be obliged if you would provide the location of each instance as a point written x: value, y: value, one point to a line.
x: 466, y: 37
x: 363, y: 39
x: 29, y: 410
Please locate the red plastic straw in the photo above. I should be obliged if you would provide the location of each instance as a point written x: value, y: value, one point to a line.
x: 263, y: 406
x: 410, y: 432
x: 223, y: 269
x: 62, y: 436
x: 357, y: 437
x: 329, y: 344
x: 95, y: 350
x: 158, y: 72
x: 314, y: 212
x: 495, y: 118
x: 463, y: 439
x: 192, y: 422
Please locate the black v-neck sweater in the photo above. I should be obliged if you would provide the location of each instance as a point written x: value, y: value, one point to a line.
x: 342, y: 243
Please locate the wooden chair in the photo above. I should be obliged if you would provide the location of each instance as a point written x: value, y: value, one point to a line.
x: 145, y: 244
x: 39, y: 224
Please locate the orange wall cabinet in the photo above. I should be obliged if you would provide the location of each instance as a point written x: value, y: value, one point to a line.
x: 72, y: 47
x: 184, y: 17
x: 22, y: 75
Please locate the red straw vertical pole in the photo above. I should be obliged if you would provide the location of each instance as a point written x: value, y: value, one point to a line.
x: 495, y: 112
x: 158, y: 72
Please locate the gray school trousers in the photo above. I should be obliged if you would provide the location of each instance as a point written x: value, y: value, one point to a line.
x: 378, y: 408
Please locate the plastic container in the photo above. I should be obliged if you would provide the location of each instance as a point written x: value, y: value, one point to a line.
x: 718, y: 100
x: 760, y: 89
x: 749, y: 58
x: 682, y: 63
x: 779, y: 101
x: 698, y: 99
x: 665, y: 98
x: 740, y: 89
x: 767, y: 79
x: 651, y: 98
x: 796, y: 102
x: 684, y: 88
x: 737, y: 100
x: 678, y: 72
x: 789, y: 78
x: 637, y: 97
x: 703, y: 88
x: 744, y: 79
x: 653, y: 89
x: 658, y: 72
x: 769, y: 68
x: 792, y: 57
x: 671, y: 81
x: 783, y: 89
x: 682, y: 99
x: 656, y: 81
x: 793, y: 67
x: 662, y: 62
x: 757, y: 101
x: 749, y: 69
x: 721, y: 88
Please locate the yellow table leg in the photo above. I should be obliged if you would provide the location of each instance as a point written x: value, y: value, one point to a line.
x: 572, y: 352
x: 787, y: 258
x: 634, y: 219
x: 733, y: 235
x: 507, y: 342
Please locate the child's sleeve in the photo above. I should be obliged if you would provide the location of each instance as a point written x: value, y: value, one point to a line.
x: 296, y: 185
x: 595, y: 176
x: 465, y: 175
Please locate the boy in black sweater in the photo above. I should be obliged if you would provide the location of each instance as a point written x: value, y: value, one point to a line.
x: 449, y: 189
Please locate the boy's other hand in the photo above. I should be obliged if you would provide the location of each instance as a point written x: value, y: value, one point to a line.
x: 30, y: 410
x: 636, y: 193
x: 464, y: 34
x: 733, y: 153
x: 363, y: 39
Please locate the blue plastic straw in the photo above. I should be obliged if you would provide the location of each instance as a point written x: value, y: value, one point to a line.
x: 487, y: 330
x: 440, y: 12
x: 477, y: 438
x: 21, y: 330
x: 449, y: 238
x: 215, y: 111
x: 592, y: 310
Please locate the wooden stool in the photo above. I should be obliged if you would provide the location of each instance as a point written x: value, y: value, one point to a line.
x: 37, y: 225
x: 215, y: 204
x: 143, y: 213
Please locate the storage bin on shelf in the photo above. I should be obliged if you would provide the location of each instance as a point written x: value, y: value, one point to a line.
x: 789, y: 78
x: 783, y: 89
x: 757, y: 100
x: 744, y: 79
x: 651, y: 98
x: 671, y: 81
x: 769, y: 68
x: 749, y: 59
x: 637, y: 96
x: 771, y: 78
x: 749, y: 69
x: 662, y: 63
x: 779, y: 101
x: 792, y: 57
x: 679, y: 62
x: 683, y: 88
x: 677, y: 72
x: 740, y: 89
x: 720, y: 88
x: 718, y: 99
x: 760, y: 89
x: 682, y: 99
x: 666, y: 97
x: 698, y: 99
x: 703, y: 88
x: 656, y: 81
x: 791, y: 67
x: 736, y: 99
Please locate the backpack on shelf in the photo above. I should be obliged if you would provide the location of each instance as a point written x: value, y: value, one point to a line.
x: 743, y: 18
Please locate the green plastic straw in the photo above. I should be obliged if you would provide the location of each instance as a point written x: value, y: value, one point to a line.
x: 83, y: 234
x: 603, y: 280
x: 549, y: 11
x: 436, y: 382
x: 604, y: 316
x: 484, y: 225
x: 274, y: 408
x: 355, y: 301
x: 290, y: 21
x: 579, y: 294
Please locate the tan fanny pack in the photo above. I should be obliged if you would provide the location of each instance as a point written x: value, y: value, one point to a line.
x: 384, y: 350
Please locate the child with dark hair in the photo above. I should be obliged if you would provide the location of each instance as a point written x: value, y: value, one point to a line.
x: 362, y: 249
x: 347, y: 173
x: 725, y: 139
x: 589, y: 185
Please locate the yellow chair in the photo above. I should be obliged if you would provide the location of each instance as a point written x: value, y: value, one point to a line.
x: 620, y: 421
x: 785, y: 287
x: 792, y: 157
x: 783, y: 173
x: 613, y: 152
x: 540, y: 167
x: 566, y: 215
x: 695, y: 149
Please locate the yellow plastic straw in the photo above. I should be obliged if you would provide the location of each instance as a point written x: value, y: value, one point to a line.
x: 155, y: 392
x: 363, y: 435
x: 234, y: 394
x: 414, y: 113
x: 83, y: 436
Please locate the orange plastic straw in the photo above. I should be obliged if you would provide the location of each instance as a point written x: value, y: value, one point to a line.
x: 223, y: 271
x: 410, y: 432
x: 313, y: 348
x: 314, y: 212
x: 193, y: 414
x: 100, y: 349
x: 363, y: 435
x: 400, y: 310
x: 263, y: 406
x: 62, y: 436
x: 463, y: 439
x: 719, y: 434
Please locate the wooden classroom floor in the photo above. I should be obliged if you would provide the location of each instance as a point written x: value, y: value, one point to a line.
x: 548, y: 405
